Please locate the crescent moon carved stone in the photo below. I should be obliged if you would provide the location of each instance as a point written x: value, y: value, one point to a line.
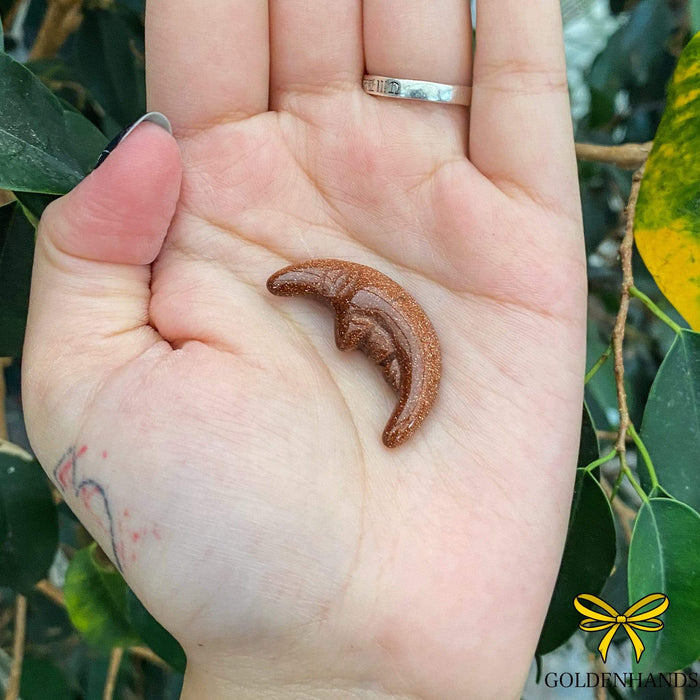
x: 376, y: 315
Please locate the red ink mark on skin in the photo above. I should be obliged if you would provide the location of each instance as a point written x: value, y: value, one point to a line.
x: 86, y: 495
x: 126, y: 512
x: 63, y: 473
x: 104, y: 454
x: 83, y: 450
x: 135, y: 536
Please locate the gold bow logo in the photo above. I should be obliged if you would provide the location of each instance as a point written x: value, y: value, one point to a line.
x: 645, y: 621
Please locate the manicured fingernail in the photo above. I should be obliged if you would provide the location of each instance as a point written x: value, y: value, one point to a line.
x: 155, y: 117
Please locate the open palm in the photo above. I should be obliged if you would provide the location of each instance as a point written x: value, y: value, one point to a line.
x: 223, y: 451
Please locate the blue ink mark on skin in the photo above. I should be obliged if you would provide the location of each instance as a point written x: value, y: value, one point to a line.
x: 78, y: 486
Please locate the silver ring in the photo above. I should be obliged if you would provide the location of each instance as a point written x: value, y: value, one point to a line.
x: 417, y: 90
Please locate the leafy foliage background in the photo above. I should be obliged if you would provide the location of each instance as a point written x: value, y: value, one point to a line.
x: 54, y: 119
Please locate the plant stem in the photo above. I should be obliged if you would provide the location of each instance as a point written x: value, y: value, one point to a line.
x: 640, y: 491
x: 616, y: 485
x: 628, y: 473
x: 610, y: 435
x: 9, y: 18
x: 599, y: 363
x: 4, y: 362
x: 642, y: 450
x: 62, y: 18
x: 625, y: 514
x: 618, y: 337
x: 115, y: 660
x: 654, y: 308
x: 147, y: 655
x: 50, y: 591
x: 628, y: 156
x: 13, y: 683
x: 618, y: 334
x: 601, y: 460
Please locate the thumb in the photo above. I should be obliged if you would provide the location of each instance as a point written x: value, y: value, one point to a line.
x: 90, y: 294
x: 121, y: 211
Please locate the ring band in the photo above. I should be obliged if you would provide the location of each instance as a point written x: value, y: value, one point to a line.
x: 417, y: 90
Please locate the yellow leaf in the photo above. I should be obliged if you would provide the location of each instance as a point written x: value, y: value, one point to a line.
x: 667, y: 221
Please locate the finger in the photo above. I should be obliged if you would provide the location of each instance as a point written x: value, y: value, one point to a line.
x: 207, y: 64
x: 314, y: 47
x: 420, y: 40
x: 521, y: 134
x: 90, y: 294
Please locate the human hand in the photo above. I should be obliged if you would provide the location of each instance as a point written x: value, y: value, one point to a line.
x: 221, y: 449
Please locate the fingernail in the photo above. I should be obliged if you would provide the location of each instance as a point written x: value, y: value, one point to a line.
x: 155, y: 117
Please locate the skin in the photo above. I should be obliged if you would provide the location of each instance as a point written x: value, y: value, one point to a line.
x: 259, y: 517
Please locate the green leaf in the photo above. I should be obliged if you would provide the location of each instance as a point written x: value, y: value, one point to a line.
x: 154, y: 634
x: 33, y: 204
x: 629, y: 56
x: 665, y: 558
x: 589, y: 555
x: 28, y: 520
x: 5, y: 7
x: 43, y: 147
x: 671, y: 425
x: 136, y: 6
x: 599, y: 219
x: 55, y: 73
x: 667, y: 218
x: 588, y: 449
x: 95, y: 596
x: 41, y: 680
x: 16, y: 257
x: 108, y: 60
x: 601, y: 397
x: 86, y: 140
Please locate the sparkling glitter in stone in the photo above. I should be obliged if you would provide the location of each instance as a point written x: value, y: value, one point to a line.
x: 377, y: 316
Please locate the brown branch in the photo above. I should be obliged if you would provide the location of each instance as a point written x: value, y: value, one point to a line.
x: 9, y: 18
x: 679, y: 693
x: 629, y: 156
x: 13, y: 683
x: 609, y: 435
x: 51, y: 592
x: 6, y: 615
x: 6, y: 197
x: 599, y: 668
x: 618, y: 334
x: 62, y: 18
x: 4, y: 362
x: 148, y: 655
x: 115, y: 660
x: 81, y: 93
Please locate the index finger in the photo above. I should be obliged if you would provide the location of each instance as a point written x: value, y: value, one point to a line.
x: 521, y: 133
x: 207, y: 63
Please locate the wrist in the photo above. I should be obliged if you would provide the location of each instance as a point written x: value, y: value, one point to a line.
x: 203, y: 681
